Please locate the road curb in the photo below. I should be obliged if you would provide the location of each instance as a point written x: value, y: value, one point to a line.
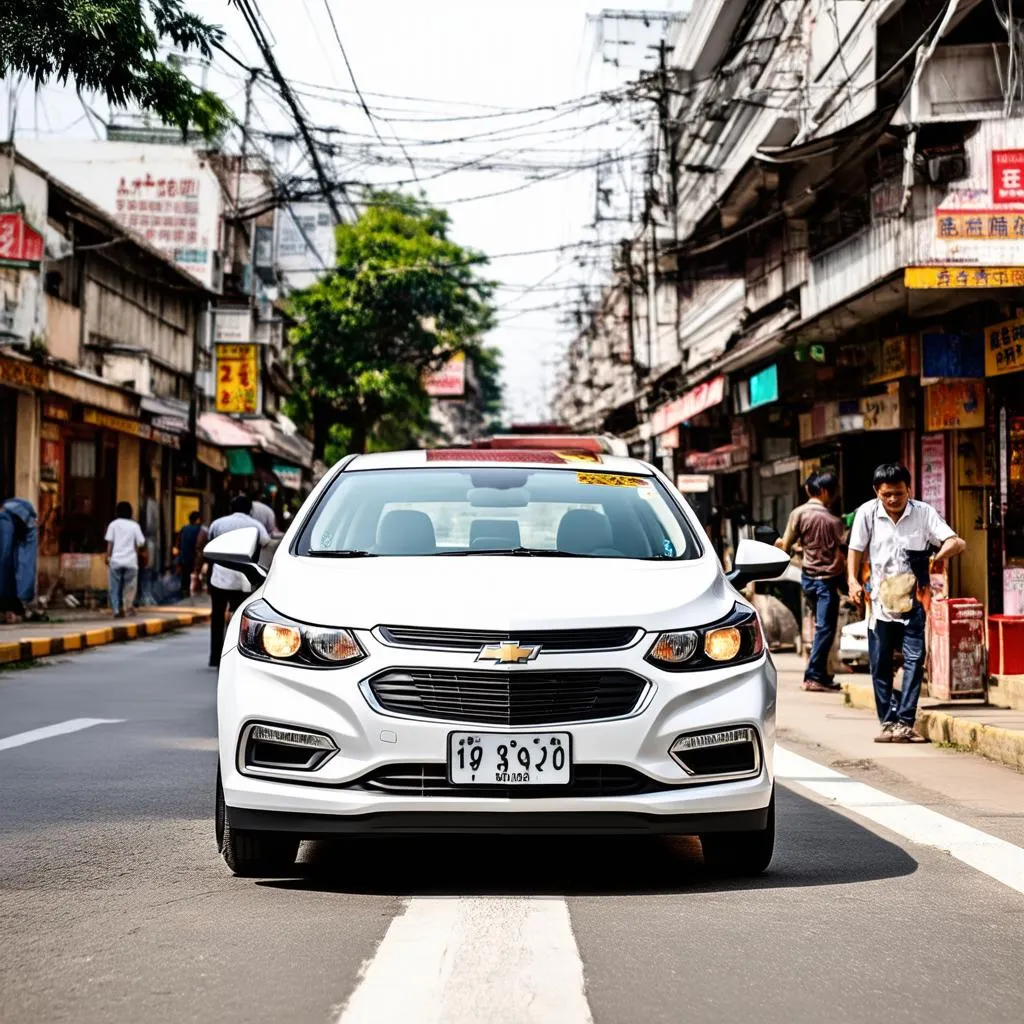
x: 29, y: 648
x: 1006, y: 746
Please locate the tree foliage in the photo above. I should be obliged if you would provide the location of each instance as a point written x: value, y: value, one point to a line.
x: 402, y: 299
x: 111, y: 47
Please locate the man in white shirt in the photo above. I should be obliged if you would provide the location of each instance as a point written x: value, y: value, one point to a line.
x: 227, y: 587
x: 900, y: 536
x: 124, y: 541
x: 264, y: 515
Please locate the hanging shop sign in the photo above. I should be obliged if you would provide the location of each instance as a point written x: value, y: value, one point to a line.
x: 232, y: 325
x: 1008, y: 175
x: 952, y: 278
x: 670, y: 439
x: 954, y: 405
x: 210, y: 456
x: 131, y: 427
x: 956, y: 355
x: 55, y: 409
x: 933, y: 472
x: 20, y: 244
x: 290, y: 476
x: 882, y: 412
x: 1004, y: 348
x: 979, y: 226
x: 21, y: 374
x: 693, y: 403
x: 710, y: 462
x: 893, y: 358
x: 237, y: 379
x: 764, y: 386
x: 821, y: 422
x: 449, y: 381
x: 693, y: 483
x: 780, y: 467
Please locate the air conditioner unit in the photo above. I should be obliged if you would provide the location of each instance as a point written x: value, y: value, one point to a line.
x: 947, y: 168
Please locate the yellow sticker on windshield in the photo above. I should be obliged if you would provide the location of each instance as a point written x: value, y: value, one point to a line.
x: 578, y: 457
x: 611, y: 480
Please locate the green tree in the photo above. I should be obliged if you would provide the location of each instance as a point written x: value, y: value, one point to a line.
x: 111, y: 47
x: 402, y: 298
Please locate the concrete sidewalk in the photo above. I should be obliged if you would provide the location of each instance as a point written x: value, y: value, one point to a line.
x: 78, y: 629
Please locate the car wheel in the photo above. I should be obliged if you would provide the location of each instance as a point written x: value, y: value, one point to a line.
x: 741, y: 854
x: 253, y: 854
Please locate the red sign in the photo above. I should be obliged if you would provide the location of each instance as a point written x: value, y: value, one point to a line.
x: 449, y: 381
x: 684, y: 408
x: 1008, y: 175
x: 18, y: 242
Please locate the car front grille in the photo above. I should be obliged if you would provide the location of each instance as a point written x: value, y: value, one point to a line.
x: 552, y: 641
x: 498, y: 697
x: 588, y: 780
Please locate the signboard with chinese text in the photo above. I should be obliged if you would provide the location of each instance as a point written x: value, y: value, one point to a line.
x: 22, y: 374
x: 20, y: 244
x: 238, y: 379
x: 954, y: 405
x: 933, y: 472
x: 1008, y: 175
x: 892, y: 359
x: 126, y: 426
x: 764, y: 386
x: 821, y: 422
x: 1004, y: 348
x: 449, y: 381
x: 881, y: 412
x: 951, y: 278
x: 693, y: 483
x: 684, y: 408
x: 979, y: 225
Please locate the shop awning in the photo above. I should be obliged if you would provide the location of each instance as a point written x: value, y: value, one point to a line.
x: 225, y: 432
x: 240, y: 462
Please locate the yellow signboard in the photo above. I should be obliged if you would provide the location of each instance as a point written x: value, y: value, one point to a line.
x: 238, y: 378
x: 950, y: 278
x: 184, y: 506
x: 893, y: 358
x: 954, y: 405
x: 1004, y: 348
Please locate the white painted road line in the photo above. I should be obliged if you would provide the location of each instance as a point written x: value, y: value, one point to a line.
x: 461, y: 960
x: 60, y: 729
x: 993, y: 856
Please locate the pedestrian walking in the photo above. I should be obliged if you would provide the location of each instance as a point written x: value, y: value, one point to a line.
x: 188, y: 543
x: 263, y: 514
x: 819, y: 534
x: 125, y: 540
x: 900, y: 537
x: 227, y: 587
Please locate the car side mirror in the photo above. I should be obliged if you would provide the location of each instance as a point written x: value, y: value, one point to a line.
x: 238, y: 550
x: 756, y: 561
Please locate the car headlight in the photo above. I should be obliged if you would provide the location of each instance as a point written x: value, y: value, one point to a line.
x: 736, y: 639
x: 269, y: 636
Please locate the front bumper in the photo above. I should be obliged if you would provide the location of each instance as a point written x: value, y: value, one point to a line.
x: 328, y: 801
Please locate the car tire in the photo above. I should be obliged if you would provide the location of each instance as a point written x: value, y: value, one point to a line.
x: 741, y: 854
x: 253, y: 854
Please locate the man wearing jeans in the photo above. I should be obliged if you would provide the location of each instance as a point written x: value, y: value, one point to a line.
x: 819, y: 534
x: 899, y: 535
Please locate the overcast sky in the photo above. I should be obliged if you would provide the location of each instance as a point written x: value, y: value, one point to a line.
x: 454, y: 59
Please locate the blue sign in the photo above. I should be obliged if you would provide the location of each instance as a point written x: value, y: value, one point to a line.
x: 953, y: 355
x: 764, y: 386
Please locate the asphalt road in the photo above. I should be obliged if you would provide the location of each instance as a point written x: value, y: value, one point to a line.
x: 115, y: 906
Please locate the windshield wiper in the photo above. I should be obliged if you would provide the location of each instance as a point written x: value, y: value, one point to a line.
x: 527, y: 552
x: 339, y: 553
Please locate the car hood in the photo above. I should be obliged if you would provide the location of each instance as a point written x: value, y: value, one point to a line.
x: 499, y: 592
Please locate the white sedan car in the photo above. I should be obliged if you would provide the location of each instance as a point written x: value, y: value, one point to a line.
x: 520, y: 642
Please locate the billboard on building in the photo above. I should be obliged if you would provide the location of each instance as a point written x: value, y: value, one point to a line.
x: 305, y: 242
x: 169, y: 195
x: 238, y: 379
x: 449, y: 381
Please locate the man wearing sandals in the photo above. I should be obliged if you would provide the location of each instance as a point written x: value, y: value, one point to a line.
x: 900, y: 536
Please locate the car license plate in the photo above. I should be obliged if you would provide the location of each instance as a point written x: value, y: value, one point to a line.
x: 509, y: 758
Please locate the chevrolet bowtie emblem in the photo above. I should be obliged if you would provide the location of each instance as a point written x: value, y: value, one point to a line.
x: 508, y: 653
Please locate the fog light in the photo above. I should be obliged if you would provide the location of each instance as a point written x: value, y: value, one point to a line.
x: 719, y: 754
x: 723, y: 644
x: 291, y: 737
x: 714, y: 739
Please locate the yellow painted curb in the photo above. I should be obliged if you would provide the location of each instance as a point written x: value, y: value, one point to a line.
x: 39, y: 646
x: 1003, y: 745
x: 859, y: 695
x: 10, y: 652
x: 96, y: 637
x: 72, y: 642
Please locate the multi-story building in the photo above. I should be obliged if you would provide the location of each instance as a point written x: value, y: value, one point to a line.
x: 848, y: 254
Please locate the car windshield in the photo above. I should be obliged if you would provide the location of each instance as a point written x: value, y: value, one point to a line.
x: 498, y: 511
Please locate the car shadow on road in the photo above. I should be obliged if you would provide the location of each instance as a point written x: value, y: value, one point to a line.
x: 815, y: 846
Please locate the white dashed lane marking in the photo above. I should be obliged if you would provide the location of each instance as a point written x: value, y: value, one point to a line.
x: 992, y: 856
x: 457, y: 961
x: 19, y: 739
